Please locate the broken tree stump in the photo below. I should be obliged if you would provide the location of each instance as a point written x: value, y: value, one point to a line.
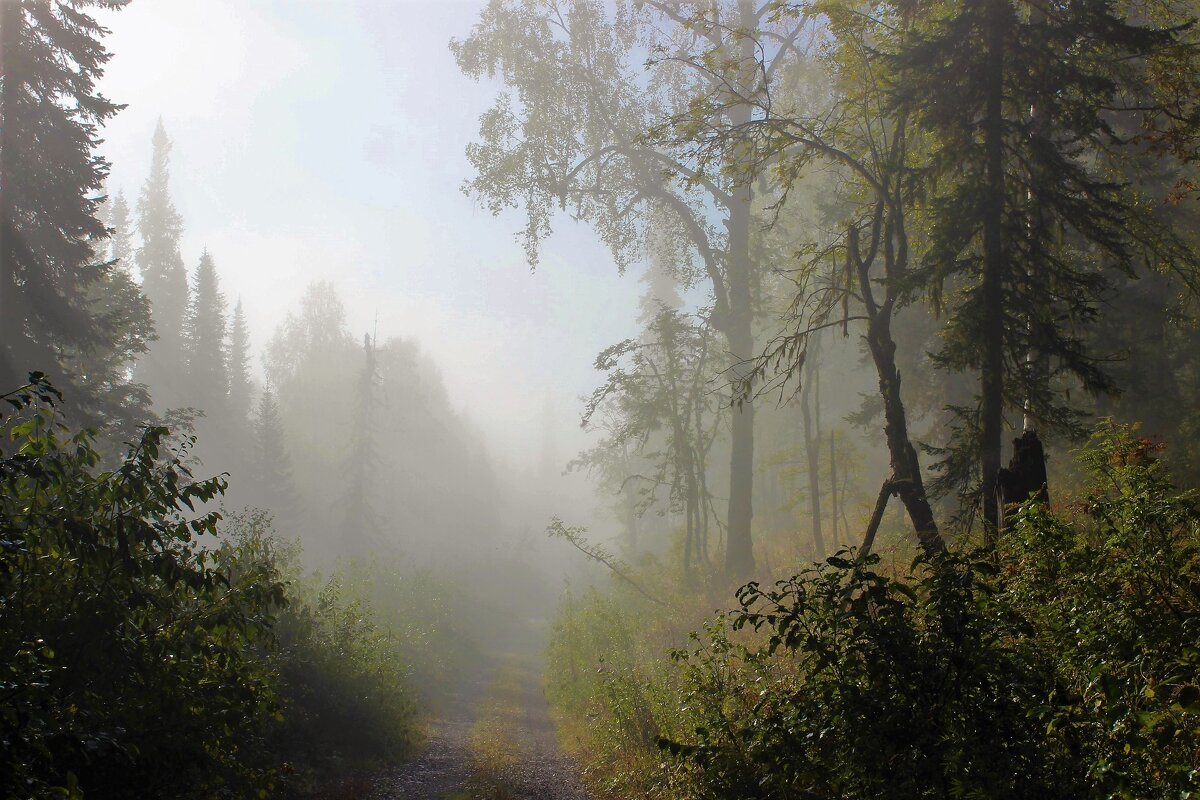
x: 1025, y: 477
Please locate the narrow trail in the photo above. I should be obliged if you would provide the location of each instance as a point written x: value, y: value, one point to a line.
x: 494, y: 740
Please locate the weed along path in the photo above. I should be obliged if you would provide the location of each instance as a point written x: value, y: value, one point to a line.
x: 494, y: 741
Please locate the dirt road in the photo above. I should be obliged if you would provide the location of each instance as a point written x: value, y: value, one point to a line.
x: 494, y: 741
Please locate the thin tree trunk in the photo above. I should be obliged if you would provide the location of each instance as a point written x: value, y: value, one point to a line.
x: 739, y: 549
x: 992, y: 288
x: 833, y: 492
x: 11, y: 334
x: 906, y: 480
x: 881, y: 502
x: 812, y: 439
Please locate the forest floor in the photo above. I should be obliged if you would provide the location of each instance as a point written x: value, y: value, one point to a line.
x: 493, y: 740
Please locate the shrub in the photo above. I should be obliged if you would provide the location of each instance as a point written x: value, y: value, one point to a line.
x: 1062, y: 665
x: 612, y: 691
x: 341, y: 674
x: 129, y: 653
x: 343, y: 684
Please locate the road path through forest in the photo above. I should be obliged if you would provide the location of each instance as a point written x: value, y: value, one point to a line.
x: 494, y: 740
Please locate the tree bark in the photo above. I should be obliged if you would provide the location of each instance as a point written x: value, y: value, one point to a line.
x: 11, y: 333
x: 739, y: 553
x: 905, y: 481
x: 833, y: 493
x: 992, y: 288
x: 1025, y: 477
x: 739, y: 550
x: 812, y: 441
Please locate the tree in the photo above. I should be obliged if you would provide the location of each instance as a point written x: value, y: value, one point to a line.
x: 164, y: 277
x: 204, y: 345
x: 859, y: 271
x: 120, y: 231
x: 810, y: 414
x: 657, y: 402
x: 1027, y: 206
x: 108, y: 399
x: 363, y: 461
x: 272, y: 464
x: 566, y: 61
x: 51, y: 56
x: 239, y: 367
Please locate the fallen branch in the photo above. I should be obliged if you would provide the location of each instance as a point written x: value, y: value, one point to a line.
x: 885, y: 492
x: 557, y: 529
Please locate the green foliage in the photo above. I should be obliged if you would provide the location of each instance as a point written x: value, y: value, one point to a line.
x: 1111, y: 586
x: 64, y: 306
x: 612, y: 692
x: 129, y: 654
x: 204, y: 350
x: 435, y: 625
x: 344, y: 684
x: 164, y: 277
x: 351, y: 649
x: 1062, y: 666
x: 149, y: 649
x: 870, y: 686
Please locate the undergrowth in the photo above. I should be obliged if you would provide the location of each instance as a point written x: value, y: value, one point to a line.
x: 1061, y: 665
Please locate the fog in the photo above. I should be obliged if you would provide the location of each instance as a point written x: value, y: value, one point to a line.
x: 317, y: 142
x: 537, y: 398
x: 326, y: 141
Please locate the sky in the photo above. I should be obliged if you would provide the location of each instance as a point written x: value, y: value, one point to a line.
x: 325, y: 139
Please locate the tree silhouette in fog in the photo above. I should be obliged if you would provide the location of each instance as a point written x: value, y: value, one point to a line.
x: 56, y: 312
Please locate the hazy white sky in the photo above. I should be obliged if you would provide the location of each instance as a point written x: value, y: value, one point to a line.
x: 325, y: 139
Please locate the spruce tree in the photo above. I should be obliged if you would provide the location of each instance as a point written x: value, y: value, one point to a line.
x: 204, y: 342
x: 239, y: 367
x: 272, y: 467
x: 164, y: 278
x: 101, y: 370
x: 51, y: 57
x: 1026, y: 206
x: 120, y: 227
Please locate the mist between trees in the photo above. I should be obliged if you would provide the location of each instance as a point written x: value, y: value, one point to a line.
x: 884, y: 250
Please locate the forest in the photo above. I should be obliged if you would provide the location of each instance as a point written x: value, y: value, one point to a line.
x: 600, y: 399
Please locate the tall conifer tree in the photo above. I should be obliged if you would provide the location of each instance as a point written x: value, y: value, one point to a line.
x: 1028, y: 209
x: 204, y: 341
x: 50, y: 180
x: 164, y: 278
x: 239, y: 367
x: 102, y: 369
x: 272, y: 467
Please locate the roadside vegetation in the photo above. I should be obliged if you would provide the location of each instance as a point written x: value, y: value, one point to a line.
x: 154, y: 646
x: 1063, y: 663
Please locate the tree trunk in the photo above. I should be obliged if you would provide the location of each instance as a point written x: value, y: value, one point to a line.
x: 992, y: 288
x: 11, y: 328
x: 812, y: 444
x: 1025, y: 477
x: 739, y: 551
x: 833, y: 492
x: 905, y: 481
